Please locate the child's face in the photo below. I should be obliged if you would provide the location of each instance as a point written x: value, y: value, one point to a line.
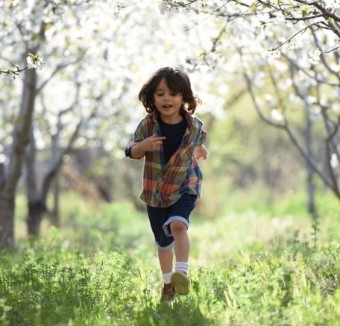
x: 168, y: 103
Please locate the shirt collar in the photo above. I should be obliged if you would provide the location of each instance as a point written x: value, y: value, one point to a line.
x: 154, y: 116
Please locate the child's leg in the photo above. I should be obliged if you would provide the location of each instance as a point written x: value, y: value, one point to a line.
x: 166, y: 260
x: 182, y: 244
x: 179, y: 278
x: 157, y: 217
x: 177, y: 226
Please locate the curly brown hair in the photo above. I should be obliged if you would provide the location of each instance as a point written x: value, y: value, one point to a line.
x: 177, y: 81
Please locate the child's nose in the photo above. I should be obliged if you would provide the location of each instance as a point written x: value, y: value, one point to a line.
x: 167, y: 97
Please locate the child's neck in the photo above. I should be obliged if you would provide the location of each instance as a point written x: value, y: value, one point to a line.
x: 172, y: 120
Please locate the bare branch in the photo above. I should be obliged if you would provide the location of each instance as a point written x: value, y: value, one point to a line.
x: 308, y: 152
x: 336, y: 128
x: 297, y: 33
x: 311, y: 161
x: 57, y: 160
x: 257, y: 106
x: 323, y: 58
x: 303, y: 18
x: 308, y: 73
x: 59, y: 68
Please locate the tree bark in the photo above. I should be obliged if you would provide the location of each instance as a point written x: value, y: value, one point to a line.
x: 35, y: 205
x: 10, y: 180
x: 7, y: 239
x: 35, y: 213
x: 311, y: 207
x: 55, y: 214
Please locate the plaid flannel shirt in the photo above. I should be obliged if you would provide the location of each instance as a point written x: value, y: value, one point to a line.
x: 164, y: 183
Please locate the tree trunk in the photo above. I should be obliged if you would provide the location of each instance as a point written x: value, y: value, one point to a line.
x: 55, y: 215
x: 7, y: 222
x: 36, y: 209
x: 311, y: 207
x: 18, y: 151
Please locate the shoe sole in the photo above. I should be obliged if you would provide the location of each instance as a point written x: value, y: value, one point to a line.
x: 180, y: 282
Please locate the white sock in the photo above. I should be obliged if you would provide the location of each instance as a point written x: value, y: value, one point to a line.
x: 166, y: 277
x: 182, y: 267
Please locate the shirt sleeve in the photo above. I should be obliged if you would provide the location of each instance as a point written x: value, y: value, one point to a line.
x: 139, y: 135
x: 201, y: 134
x: 141, y: 131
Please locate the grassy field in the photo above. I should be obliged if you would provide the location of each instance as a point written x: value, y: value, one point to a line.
x: 251, y: 265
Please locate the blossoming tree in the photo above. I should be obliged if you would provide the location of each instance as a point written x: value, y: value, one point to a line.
x: 289, y: 54
x: 56, y: 102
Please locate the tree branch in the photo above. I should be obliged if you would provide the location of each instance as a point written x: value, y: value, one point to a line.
x: 257, y: 106
x: 308, y: 153
x: 324, y: 11
x: 295, y: 34
x: 323, y: 58
x: 308, y: 73
x: 303, y: 18
x: 57, y: 164
x: 58, y: 68
x: 289, y: 131
x: 56, y: 161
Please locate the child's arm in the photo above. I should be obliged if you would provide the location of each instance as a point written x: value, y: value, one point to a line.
x: 149, y: 144
x: 201, y: 152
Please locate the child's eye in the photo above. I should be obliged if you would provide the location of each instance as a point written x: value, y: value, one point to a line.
x: 159, y: 94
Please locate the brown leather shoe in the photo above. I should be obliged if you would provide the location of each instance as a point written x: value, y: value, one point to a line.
x: 180, y: 281
x: 168, y: 292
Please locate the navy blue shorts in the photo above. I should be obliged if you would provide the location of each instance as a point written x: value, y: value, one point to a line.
x: 161, y: 218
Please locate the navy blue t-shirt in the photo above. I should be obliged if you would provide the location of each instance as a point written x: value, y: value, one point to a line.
x: 174, y: 134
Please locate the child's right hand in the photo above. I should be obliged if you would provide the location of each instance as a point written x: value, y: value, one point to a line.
x: 151, y: 144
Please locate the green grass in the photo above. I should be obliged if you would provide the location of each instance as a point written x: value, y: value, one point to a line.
x: 249, y: 266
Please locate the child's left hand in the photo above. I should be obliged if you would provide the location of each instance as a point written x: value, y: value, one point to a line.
x: 200, y: 152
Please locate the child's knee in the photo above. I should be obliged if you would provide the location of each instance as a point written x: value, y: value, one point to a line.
x: 177, y: 226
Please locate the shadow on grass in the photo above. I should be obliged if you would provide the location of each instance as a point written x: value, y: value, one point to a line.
x: 181, y: 312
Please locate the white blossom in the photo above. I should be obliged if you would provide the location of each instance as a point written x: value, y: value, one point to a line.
x: 34, y: 61
x: 2, y: 158
x: 277, y: 115
x: 13, y: 72
x: 334, y: 161
x: 336, y: 108
x: 314, y: 56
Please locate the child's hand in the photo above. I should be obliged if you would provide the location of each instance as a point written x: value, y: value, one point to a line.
x: 200, y: 152
x: 151, y: 144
